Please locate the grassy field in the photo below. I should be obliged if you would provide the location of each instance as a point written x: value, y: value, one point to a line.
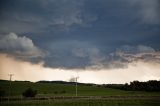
x: 50, y: 89
x: 84, y: 103
x: 50, y: 94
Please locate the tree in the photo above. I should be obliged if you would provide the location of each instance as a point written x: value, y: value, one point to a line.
x: 29, y: 93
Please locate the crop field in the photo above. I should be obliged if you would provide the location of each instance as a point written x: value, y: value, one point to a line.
x: 51, y: 94
x: 86, y: 102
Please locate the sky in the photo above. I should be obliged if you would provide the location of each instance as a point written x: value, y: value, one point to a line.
x: 101, y: 41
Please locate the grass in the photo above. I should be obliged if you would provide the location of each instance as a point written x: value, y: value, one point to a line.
x: 49, y: 89
x: 91, y: 95
x: 85, y: 103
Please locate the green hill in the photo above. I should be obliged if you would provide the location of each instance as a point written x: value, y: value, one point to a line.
x: 60, y: 88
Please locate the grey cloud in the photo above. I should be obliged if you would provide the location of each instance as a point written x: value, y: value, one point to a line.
x: 93, y: 53
x: 135, y: 49
x: 73, y: 54
x: 138, y: 53
x: 125, y: 55
x: 59, y: 27
x: 43, y: 15
x: 148, y: 10
x: 19, y: 46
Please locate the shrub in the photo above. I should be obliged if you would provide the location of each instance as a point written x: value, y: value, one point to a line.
x: 55, y: 92
x: 29, y: 93
x: 2, y: 93
x: 63, y: 91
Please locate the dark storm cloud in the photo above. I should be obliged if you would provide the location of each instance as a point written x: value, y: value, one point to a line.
x: 38, y: 15
x: 81, y: 34
x: 148, y: 10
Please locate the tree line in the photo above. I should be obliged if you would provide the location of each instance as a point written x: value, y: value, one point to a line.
x: 151, y: 85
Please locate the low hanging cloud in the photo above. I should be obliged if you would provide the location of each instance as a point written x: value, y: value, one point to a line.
x: 19, y: 46
x: 141, y: 71
x: 138, y: 53
x: 93, y: 53
x: 126, y: 55
x: 74, y: 54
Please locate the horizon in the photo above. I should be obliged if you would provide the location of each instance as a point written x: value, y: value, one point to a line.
x: 59, y: 81
x: 99, y: 41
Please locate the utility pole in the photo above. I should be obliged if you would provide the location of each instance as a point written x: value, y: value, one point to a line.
x: 10, y: 79
x: 76, y: 86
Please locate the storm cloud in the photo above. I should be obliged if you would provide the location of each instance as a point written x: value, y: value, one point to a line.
x: 148, y: 10
x: 85, y: 34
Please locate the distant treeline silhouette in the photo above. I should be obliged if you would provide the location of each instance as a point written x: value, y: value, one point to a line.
x: 152, y: 85
x: 67, y: 83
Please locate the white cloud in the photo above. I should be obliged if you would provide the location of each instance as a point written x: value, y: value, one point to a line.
x: 19, y: 46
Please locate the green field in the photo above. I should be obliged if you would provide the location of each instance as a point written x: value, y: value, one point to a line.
x: 49, y: 89
x: 51, y: 94
x: 85, y: 103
